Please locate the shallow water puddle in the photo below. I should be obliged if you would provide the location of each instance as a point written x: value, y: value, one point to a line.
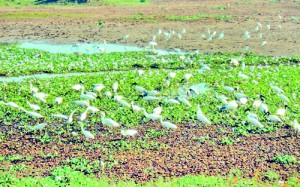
x: 88, y: 48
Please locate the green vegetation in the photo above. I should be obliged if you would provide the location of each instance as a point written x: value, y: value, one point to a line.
x: 156, y: 17
x: 67, y: 176
x: 39, y: 15
x: 285, y: 159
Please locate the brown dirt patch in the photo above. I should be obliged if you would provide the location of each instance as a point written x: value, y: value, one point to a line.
x: 245, y: 15
x: 173, y: 154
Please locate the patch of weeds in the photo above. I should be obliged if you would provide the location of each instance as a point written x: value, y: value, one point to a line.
x: 271, y: 176
x: 201, y: 139
x: 226, y: 141
x: 294, y: 19
x: 285, y: 159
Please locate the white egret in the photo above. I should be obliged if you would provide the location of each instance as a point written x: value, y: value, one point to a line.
x: 171, y: 101
x: 33, y: 90
x: 58, y: 100
x: 93, y: 109
x: 171, y: 75
x: 115, y: 87
x: 234, y: 62
x: 12, y: 104
x: 228, y: 88
x: 135, y: 108
x: 273, y: 118
x: 157, y: 110
x: 186, y: 77
x: 38, y: 127
x: 151, y: 98
x: 151, y: 116
x: 254, y: 121
x: 86, y: 133
x: 33, y: 106
x: 70, y: 119
x: 232, y: 105
x: 201, y: 117
x: 246, y: 35
x: 283, y: 97
x: 78, y: 87
x: 41, y: 96
x: 98, y: 87
x: 276, y: 88
x: 32, y: 114
x: 243, y: 76
x: 184, y: 101
x: 263, y: 43
x: 167, y: 124
x: 108, y: 121
x: 83, y: 115
x: 123, y: 103
x: 108, y: 94
x: 60, y: 116
x: 250, y: 114
x: 221, y: 35
x: 128, y: 132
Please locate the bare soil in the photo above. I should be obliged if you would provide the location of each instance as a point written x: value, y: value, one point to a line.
x: 117, y: 23
x: 173, y: 154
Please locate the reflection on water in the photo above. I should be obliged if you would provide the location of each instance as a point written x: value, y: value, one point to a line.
x: 88, y: 48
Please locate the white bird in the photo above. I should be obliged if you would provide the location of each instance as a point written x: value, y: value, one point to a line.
x: 184, y: 101
x: 221, y: 35
x: 98, y: 87
x: 83, y: 115
x: 243, y: 76
x: 263, y: 43
x: 135, y: 108
x: 12, y: 104
x: 257, y: 103
x: 78, y: 87
x: 171, y: 101
x: 167, y: 124
x: 171, y: 75
x: 32, y: 114
x: 107, y: 121
x: 93, y: 109
x: 273, y: 118
x: 61, y: 116
x: 81, y: 103
x: 264, y: 108
x: 280, y: 112
x: 39, y: 126
x: 123, y: 103
x: 284, y: 98
x: 108, y: 94
x: 58, y: 100
x: 86, y: 133
x: 222, y: 98
x: 255, y: 122
x: 228, y: 88
x: 33, y: 90
x: 201, y: 117
x: 152, y: 93
x: 128, y: 132
x: 41, y: 96
x: 186, y: 77
x: 151, y: 98
x: 250, y: 114
x: 151, y: 116
x: 276, y: 89
x: 115, y: 87
x: 232, y: 105
x: 296, y: 126
x: 70, y: 119
x: 234, y: 62
x: 140, y: 89
x: 33, y: 106
x: 246, y: 35
x: 157, y: 110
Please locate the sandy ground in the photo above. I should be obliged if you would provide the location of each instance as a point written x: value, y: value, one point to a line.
x: 282, y: 38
